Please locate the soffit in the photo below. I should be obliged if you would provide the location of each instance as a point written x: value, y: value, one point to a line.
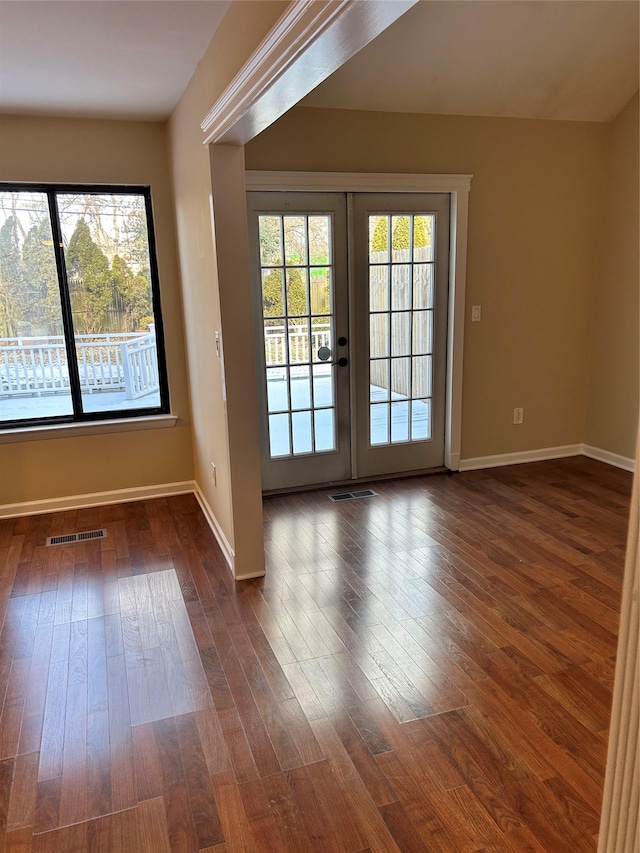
x: 547, y: 59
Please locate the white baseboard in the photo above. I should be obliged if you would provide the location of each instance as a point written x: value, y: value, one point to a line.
x: 452, y: 461
x: 500, y: 459
x: 223, y: 542
x: 624, y: 462
x: 250, y: 576
x: 116, y: 496
x: 123, y: 496
x: 545, y: 453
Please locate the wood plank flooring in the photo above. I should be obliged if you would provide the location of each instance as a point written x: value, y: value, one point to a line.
x: 426, y: 670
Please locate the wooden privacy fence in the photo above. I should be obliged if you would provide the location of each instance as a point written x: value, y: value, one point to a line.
x: 395, y: 331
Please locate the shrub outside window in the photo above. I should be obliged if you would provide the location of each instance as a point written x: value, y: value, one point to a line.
x: 81, y: 334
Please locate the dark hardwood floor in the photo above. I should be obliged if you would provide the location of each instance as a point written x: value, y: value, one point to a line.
x: 425, y: 670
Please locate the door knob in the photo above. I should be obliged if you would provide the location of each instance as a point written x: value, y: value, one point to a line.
x: 343, y: 362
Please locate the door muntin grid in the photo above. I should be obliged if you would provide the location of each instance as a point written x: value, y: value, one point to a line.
x: 401, y: 272
x: 297, y: 275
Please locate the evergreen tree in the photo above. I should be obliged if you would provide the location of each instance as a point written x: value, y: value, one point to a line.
x: 380, y: 240
x: 296, y: 294
x: 42, y: 277
x: 90, y: 281
x: 272, y: 305
x: 13, y: 299
x: 400, y: 236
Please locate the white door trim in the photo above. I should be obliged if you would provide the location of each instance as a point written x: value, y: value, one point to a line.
x: 458, y: 187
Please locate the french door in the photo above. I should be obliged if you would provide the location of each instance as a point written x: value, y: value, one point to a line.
x: 351, y: 350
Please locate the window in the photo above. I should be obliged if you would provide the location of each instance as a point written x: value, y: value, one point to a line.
x: 80, y: 323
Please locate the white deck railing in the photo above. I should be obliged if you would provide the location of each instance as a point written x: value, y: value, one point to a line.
x: 35, y: 366
x: 303, y: 347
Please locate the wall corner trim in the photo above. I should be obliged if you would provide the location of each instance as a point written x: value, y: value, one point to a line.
x: 625, y: 462
x: 212, y: 521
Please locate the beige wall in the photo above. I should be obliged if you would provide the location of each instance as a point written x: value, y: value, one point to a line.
x: 612, y: 411
x: 222, y: 391
x: 89, y: 151
x: 532, y: 251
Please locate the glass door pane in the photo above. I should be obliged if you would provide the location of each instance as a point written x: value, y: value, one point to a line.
x: 300, y: 295
x: 34, y: 375
x: 296, y: 271
x: 400, y: 298
x: 401, y: 264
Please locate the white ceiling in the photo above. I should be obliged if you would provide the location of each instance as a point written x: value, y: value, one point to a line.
x: 550, y: 59
x: 555, y: 59
x: 101, y: 58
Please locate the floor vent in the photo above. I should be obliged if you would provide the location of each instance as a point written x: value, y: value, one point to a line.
x: 353, y: 496
x: 66, y: 538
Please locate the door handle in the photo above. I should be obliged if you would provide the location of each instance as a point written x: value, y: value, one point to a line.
x: 343, y: 362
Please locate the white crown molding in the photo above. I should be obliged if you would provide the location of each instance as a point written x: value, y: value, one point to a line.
x: 115, y: 496
x: 374, y: 182
x: 300, y: 25
x: 308, y: 43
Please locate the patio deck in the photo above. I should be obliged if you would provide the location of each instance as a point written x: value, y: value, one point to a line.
x: 402, y: 412
x: 54, y: 405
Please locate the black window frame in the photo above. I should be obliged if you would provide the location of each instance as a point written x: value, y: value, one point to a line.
x: 79, y: 416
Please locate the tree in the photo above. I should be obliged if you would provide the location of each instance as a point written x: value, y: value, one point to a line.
x: 90, y: 281
x: 136, y: 243
x: 272, y: 305
x: 296, y: 294
x: 400, y: 236
x: 132, y: 295
x: 270, y: 240
x: 42, y: 277
x: 12, y: 297
x: 272, y: 294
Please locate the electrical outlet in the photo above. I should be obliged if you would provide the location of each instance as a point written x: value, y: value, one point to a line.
x: 213, y: 473
x: 476, y: 313
x: 518, y: 415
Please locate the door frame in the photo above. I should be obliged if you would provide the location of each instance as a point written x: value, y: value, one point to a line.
x: 301, y: 469
x: 457, y: 186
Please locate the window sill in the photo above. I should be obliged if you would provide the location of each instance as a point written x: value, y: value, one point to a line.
x: 44, y: 433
